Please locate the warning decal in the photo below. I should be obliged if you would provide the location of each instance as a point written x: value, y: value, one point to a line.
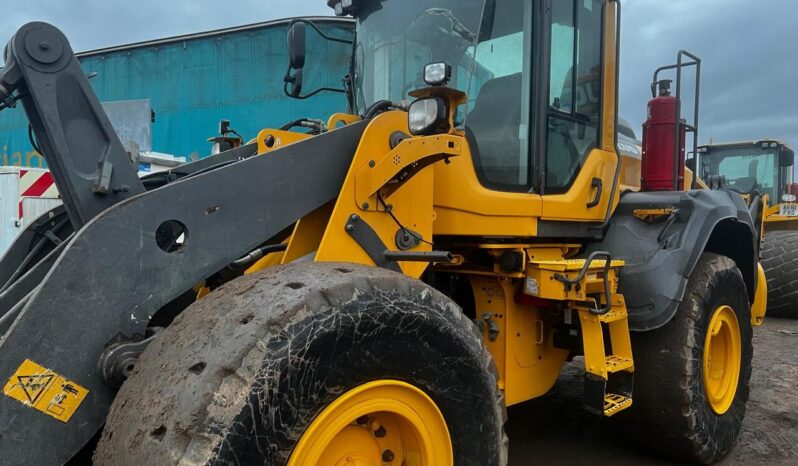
x: 44, y: 390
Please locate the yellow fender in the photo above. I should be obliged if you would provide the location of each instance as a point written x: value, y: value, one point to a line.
x: 760, y: 304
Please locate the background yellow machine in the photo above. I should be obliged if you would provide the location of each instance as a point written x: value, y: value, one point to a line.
x: 764, y: 168
x: 378, y: 290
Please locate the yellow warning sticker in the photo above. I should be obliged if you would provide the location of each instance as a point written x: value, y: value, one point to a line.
x: 44, y: 390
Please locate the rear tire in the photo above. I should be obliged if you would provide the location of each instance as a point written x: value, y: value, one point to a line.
x: 780, y: 261
x: 240, y: 375
x: 672, y: 412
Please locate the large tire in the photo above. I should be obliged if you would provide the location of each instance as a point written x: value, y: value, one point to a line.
x: 780, y: 261
x: 671, y: 413
x: 241, y: 374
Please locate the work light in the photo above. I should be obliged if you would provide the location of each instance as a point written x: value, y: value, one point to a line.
x: 437, y: 74
x: 427, y: 116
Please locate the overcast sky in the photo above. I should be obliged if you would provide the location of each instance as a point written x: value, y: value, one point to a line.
x: 749, y: 88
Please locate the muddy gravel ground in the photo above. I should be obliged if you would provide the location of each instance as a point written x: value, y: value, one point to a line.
x: 554, y: 430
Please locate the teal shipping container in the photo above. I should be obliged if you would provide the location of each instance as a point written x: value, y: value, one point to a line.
x: 193, y: 81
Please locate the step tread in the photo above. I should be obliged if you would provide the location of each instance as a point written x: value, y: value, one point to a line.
x: 616, y: 314
x: 574, y: 264
x: 618, y: 363
x: 614, y: 403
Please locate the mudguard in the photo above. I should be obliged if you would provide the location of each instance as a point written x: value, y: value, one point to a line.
x: 662, y: 249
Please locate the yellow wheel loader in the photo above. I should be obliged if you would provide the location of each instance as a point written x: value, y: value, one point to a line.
x: 764, y: 168
x: 378, y: 292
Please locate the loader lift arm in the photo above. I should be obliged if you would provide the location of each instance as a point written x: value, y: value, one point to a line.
x: 112, y: 275
x: 87, y: 160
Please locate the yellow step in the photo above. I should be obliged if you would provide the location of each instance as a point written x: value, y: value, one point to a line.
x: 618, y: 364
x: 613, y: 404
x: 615, y: 314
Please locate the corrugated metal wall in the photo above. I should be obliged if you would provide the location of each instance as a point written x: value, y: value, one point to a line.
x: 195, y: 81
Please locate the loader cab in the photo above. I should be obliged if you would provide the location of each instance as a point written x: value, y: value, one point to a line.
x: 540, y: 80
x: 759, y: 166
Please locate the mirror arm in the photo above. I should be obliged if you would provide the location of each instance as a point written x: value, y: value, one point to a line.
x: 322, y: 34
x: 317, y: 91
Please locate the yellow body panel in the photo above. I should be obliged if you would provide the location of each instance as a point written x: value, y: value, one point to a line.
x: 608, y: 132
x: 269, y: 260
x: 411, y: 203
x: 527, y: 361
x: 308, y: 232
x: 760, y: 305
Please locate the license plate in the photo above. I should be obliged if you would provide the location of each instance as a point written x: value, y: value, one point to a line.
x: 788, y: 210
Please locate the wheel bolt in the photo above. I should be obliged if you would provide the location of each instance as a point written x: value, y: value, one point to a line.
x: 380, y: 433
x: 387, y: 456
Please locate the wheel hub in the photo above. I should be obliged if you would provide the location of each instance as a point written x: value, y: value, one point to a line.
x: 385, y: 422
x: 722, y: 359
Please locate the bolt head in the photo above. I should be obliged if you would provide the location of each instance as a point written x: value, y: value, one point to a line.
x: 388, y: 456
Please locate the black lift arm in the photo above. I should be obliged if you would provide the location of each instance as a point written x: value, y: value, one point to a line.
x: 89, y: 165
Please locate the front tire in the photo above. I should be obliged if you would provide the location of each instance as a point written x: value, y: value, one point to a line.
x: 692, y: 375
x: 249, y: 375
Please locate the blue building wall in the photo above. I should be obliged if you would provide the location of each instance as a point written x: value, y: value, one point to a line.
x: 194, y: 81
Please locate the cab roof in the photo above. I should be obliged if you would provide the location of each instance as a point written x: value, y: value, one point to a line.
x: 757, y: 143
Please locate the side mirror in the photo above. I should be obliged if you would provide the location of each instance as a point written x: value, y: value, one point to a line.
x: 296, y: 41
x: 295, y: 81
x: 786, y: 157
x: 296, y: 46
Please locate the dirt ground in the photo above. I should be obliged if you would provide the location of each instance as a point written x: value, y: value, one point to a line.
x: 554, y: 430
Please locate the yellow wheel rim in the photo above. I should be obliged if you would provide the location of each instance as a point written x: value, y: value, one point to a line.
x: 385, y: 422
x: 722, y: 359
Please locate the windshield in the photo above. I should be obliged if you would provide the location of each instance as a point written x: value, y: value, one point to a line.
x: 746, y: 170
x: 397, y: 38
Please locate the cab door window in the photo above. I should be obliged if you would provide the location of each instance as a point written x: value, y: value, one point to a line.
x: 497, y: 119
x: 575, y: 84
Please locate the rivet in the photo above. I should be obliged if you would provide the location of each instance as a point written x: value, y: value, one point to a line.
x: 372, y: 163
x: 44, y: 45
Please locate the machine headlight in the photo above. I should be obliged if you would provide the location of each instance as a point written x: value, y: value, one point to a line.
x: 788, y: 198
x: 427, y: 116
x: 437, y: 74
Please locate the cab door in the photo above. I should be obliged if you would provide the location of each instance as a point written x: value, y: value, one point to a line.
x: 578, y: 160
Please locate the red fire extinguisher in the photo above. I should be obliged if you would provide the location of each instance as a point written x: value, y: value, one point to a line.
x: 660, y: 162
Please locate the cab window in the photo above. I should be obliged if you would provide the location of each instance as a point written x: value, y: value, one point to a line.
x: 497, y: 113
x: 575, y: 84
